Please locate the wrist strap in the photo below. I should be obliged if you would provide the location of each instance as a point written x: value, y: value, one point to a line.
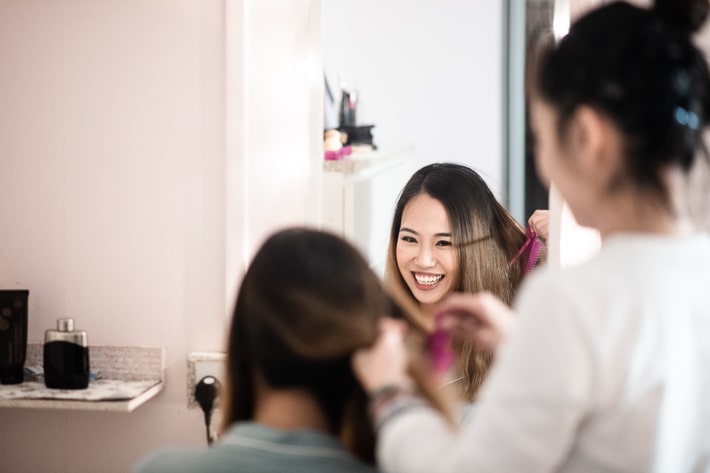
x: 384, y: 400
x: 385, y: 392
x: 389, y: 411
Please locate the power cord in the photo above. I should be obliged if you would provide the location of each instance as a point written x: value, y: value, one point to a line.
x: 206, y: 393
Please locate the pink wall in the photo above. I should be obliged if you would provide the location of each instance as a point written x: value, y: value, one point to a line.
x: 117, y: 189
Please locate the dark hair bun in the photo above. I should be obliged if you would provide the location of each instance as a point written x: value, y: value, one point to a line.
x: 685, y: 16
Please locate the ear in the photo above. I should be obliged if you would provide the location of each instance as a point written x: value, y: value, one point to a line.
x: 595, y: 142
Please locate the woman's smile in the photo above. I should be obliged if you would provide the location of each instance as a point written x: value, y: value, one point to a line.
x: 427, y: 281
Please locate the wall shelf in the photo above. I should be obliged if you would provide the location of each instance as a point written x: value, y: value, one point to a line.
x: 371, y: 160
x: 359, y: 194
x: 127, y: 378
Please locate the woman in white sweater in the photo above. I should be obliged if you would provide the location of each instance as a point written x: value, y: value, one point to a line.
x: 605, y: 366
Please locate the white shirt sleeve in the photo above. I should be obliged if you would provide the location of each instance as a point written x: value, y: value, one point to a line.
x: 529, y: 411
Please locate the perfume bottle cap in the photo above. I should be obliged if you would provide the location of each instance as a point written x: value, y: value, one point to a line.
x: 65, y: 325
x: 65, y: 332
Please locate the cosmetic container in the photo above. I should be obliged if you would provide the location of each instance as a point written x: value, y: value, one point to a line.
x: 66, y: 357
x: 13, y: 335
x: 348, y: 108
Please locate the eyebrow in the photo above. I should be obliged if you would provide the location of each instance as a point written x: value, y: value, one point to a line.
x: 405, y: 229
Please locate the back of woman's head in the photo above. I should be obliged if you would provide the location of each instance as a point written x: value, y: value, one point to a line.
x: 484, y: 233
x: 640, y: 69
x: 307, y: 301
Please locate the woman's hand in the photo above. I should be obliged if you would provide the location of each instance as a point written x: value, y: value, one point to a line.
x: 385, y: 363
x: 482, y: 318
x: 539, y: 222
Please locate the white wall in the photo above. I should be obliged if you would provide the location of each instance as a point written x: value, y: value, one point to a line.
x: 274, y: 122
x: 700, y: 176
x: 429, y: 74
x: 117, y: 188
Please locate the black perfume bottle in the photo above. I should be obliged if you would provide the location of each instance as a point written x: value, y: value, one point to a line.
x: 66, y: 357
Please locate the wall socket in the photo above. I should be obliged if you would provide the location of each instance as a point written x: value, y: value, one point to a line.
x: 199, y: 365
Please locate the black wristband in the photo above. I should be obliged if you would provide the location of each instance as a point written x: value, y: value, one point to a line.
x: 385, y: 392
x: 385, y: 396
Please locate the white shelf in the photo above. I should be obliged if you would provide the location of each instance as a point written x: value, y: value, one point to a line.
x: 129, y: 377
x: 375, y: 160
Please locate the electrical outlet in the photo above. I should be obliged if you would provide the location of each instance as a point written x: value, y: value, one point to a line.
x: 199, y: 365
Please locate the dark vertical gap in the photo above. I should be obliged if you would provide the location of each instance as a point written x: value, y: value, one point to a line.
x: 539, y: 23
x: 536, y: 195
x: 505, y: 102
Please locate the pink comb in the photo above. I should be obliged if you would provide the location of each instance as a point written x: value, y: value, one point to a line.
x: 440, y: 347
x: 440, y: 340
x: 535, y: 247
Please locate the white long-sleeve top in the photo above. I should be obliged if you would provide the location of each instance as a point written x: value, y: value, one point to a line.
x: 607, y: 371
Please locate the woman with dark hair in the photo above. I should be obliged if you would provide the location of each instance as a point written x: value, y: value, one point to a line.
x: 292, y: 403
x: 605, y: 367
x: 449, y: 233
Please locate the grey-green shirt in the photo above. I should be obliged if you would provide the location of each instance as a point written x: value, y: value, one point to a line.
x: 250, y: 447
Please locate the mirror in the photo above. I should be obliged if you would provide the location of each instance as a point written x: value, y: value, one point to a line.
x: 428, y: 77
x: 446, y: 79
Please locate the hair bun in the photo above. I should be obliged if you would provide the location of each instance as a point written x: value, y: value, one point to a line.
x: 686, y: 16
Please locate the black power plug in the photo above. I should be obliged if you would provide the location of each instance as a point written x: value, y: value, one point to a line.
x: 206, y: 393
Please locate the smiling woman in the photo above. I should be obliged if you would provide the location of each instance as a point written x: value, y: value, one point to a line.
x: 449, y: 233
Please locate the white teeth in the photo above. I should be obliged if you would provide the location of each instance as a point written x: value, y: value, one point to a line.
x: 427, y: 279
